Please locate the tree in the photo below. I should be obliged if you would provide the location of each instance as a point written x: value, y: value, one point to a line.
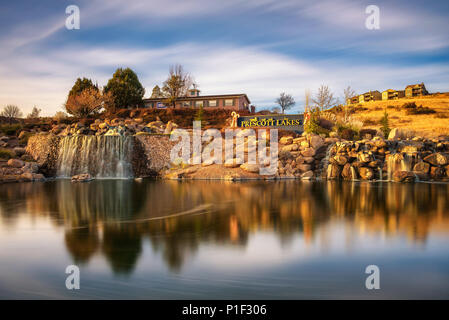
x: 306, y: 100
x: 88, y: 102
x: 34, y: 114
x: 348, y: 93
x: 324, y: 99
x: 177, y: 84
x: 285, y: 101
x: 82, y: 84
x: 385, y: 126
x: 126, y: 89
x: 157, y: 92
x: 11, y: 112
x: 60, y: 115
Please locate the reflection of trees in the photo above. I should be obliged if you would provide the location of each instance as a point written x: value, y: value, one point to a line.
x: 112, y: 217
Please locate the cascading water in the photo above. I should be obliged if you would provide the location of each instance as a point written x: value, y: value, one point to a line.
x: 100, y: 156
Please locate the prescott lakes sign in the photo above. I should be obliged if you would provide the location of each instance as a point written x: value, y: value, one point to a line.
x: 285, y: 122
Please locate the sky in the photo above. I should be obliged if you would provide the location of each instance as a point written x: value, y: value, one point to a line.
x: 257, y: 47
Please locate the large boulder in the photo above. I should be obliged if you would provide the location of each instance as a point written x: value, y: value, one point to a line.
x: 286, y: 140
x: 250, y: 167
x: 404, y: 176
x: 437, y: 159
x: 366, y: 173
x: 84, y: 177
x: 333, y: 171
x: 15, y: 163
x: 316, y: 141
x: 421, y: 167
x: 349, y: 172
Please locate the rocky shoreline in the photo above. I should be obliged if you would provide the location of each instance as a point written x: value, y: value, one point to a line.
x: 300, y: 156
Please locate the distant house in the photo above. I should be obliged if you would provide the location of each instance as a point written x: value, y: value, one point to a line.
x: 391, y: 94
x: 415, y: 90
x: 352, y: 100
x: 370, y: 96
x: 193, y: 99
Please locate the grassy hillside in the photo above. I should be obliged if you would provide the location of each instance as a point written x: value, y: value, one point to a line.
x: 431, y: 120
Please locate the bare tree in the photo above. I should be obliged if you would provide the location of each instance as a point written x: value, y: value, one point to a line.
x: 285, y: 101
x: 177, y: 84
x: 34, y: 114
x: 11, y: 112
x: 348, y: 93
x: 307, y: 99
x: 324, y: 99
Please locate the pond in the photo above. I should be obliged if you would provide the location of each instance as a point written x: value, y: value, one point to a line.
x: 219, y: 240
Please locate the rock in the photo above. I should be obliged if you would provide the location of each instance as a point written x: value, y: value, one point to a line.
x: 19, y: 151
x: 366, y: 173
x: 306, y: 159
x: 307, y: 175
x: 437, y: 172
x: 340, y: 160
x: 250, y: 167
x: 316, y: 142
x: 364, y: 157
x: 397, y: 133
x: 286, y: 140
x: 305, y: 144
x: 437, y: 159
x: 233, y: 163
x: 15, y: 163
x: 304, y: 167
x: 404, y: 176
x: 84, y: 177
x: 21, y: 134
x: 290, y: 147
x: 27, y: 176
x: 309, y: 152
x: 349, y: 172
x: 333, y: 171
x: 421, y: 167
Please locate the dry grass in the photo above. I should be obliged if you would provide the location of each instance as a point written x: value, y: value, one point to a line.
x: 423, y: 124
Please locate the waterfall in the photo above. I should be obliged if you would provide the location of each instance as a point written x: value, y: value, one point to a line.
x: 100, y: 156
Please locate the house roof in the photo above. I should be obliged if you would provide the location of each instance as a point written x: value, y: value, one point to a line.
x: 217, y: 96
x: 415, y: 85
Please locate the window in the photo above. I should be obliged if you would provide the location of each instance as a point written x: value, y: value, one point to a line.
x: 212, y: 103
x: 199, y: 104
x: 186, y: 104
x: 229, y: 102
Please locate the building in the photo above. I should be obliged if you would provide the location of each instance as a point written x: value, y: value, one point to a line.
x: 352, y: 100
x: 415, y: 90
x: 195, y: 100
x: 370, y: 96
x: 391, y: 94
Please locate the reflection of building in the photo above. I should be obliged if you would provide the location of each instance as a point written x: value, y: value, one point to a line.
x: 194, y: 100
x: 391, y: 94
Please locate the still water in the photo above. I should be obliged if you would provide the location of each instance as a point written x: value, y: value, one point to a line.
x: 207, y: 240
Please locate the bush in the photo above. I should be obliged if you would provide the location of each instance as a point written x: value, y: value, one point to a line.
x: 385, y: 128
x: 409, y: 105
x: 365, y: 132
x: 420, y: 110
x: 24, y: 139
x: 10, y: 129
x: 348, y: 134
x: 6, y: 154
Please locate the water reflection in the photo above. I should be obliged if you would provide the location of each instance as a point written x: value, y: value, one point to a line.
x: 113, y: 218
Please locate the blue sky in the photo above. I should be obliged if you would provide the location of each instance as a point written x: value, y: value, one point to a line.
x: 259, y: 47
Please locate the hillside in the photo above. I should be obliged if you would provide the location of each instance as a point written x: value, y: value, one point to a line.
x: 433, y: 121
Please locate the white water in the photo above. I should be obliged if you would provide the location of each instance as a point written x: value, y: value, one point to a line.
x: 100, y: 156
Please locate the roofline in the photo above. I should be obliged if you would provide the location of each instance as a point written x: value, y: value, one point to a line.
x: 238, y: 95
